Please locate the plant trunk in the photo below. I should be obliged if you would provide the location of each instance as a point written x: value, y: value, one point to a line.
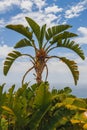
x: 40, y: 64
x: 39, y: 67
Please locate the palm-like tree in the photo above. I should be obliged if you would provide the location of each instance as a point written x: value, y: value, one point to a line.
x: 47, y: 40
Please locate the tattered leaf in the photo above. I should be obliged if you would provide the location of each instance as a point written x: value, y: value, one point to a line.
x: 20, y: 29
x: 62, y: 36
x: 9, y: 60
x: 42, y: 103
x: 71, y: 45
x: 34, y: 26
x: 73, y: 68
x: 55, y: 30
x: 43, y: 96
x: 23, y: 43
x: 8, y: 110
x: 42, y: 34
x: 80, y: 103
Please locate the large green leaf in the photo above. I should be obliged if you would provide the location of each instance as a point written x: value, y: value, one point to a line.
x: 10, y: 59
x: 71, y: 45
x: 42, y: 34
x: 1, y: 90
x: 80, y: 103
x: 60, y: 116
x: 8, y: 110
x: 2, y: 96
x: 43, y: 96
x: 56, y: 30
x: 42, y: 105
x: 23, y: 43
x: 10, y: 96
x: 34, y: 26
x: 62, y: 36
x: 20, y: 29
x: 69, y: 100
x: 73, y: 68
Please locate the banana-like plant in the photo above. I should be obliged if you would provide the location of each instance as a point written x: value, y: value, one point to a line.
x: 2, y: 101
x: 17, y: 107
x: 44, y: 41
x: 38, y: 108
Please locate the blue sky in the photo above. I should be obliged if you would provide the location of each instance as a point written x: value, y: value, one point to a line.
x: 51, y: 12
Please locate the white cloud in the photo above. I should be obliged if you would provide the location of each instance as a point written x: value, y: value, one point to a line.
x: 40, y: 3
x: 2, y: 23
x: 5, y: 6
x: 49, y: 19
x: 38, y: 10
x: 83, y: 71
x: 25, y: 5
x: 75, y: 11
x: 82, y: 39
x: 42, y: 14
x: 4, y: 50
x: 18, y: 19
x: 53, y: 9
x: 41, y: 19
x: 83, y: 30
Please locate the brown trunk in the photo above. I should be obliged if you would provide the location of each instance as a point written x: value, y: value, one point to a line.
x: 40, y: 64
x: 39, y: 67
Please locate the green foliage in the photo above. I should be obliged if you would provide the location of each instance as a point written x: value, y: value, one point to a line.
x: 42, y: 34
x: 38, y: 108
x: 71, y: 45
x: 51, y: 32
x: 21, y: 29
x: 73, y: 68
x: 10, y: 59
x: 41, y: 105
x: 43, y: 97
x: 2, y: 101
x: 35, y: 27
x: 23, y: 43
x: 62, y: 36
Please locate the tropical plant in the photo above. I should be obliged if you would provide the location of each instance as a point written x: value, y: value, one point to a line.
x: 38, y: 108
x: 43, y: 41
x: 15, y: 109
x: 2, y: 101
